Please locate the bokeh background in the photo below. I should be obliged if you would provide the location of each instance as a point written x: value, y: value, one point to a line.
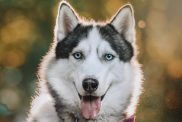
x: 26, y: 30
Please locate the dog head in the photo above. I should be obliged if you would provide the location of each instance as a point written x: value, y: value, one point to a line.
x: 90, y: 64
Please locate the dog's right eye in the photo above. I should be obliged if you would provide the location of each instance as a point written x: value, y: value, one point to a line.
x: 108, y: 57
x: 78, y: 55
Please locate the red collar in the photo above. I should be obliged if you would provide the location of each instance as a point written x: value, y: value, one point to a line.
x: 130, y: 119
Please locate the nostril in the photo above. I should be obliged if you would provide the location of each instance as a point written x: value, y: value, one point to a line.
x: 94, y: 85
x: 90, y: 85
x: 86, y: 85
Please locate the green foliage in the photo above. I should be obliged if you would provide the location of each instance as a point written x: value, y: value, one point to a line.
x: 4, y: 111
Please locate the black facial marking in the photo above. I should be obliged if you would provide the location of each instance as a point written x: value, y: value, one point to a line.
x: 59, y: 106
x: 65, y: 46
x: 121, y: 46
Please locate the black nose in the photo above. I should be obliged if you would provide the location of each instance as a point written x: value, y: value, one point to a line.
x: 90, y: 85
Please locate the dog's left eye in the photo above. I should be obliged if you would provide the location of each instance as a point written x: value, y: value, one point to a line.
x: 108, y: 57
x: 78, y: 55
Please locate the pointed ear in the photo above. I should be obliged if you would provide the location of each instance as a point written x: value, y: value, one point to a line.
x: 67, y: 20
x: 124, y: 22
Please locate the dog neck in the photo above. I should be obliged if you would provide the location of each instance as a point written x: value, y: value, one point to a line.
x: 62, y: 109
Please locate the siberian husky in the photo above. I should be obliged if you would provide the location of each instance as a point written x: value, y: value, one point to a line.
x: 90, y: 73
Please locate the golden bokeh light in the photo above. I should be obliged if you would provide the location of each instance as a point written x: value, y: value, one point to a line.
x: 12, y: 58
x: 141, y: 24
x: 175, y: 68
x: 112, y: 6
x: 18, y: 30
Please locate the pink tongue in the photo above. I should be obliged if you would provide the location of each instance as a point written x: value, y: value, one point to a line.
x: 90, y: 109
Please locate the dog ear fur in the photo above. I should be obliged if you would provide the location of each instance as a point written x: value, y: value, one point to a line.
x: 67, y: 20
x: 124, y: 22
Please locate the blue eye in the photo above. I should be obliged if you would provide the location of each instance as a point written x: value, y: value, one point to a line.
x: 78, y: 55
x: 108, y: 57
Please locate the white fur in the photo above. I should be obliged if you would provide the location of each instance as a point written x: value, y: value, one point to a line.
x: 43, y: 104
x: 66, y: 16
x: 122, y: 80
x: 124, y: 22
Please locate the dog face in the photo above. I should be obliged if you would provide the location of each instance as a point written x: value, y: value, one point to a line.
x: 91, y: 64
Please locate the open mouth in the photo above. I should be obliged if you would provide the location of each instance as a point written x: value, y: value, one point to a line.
x: 90, y: 97
x: 90, y: 106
